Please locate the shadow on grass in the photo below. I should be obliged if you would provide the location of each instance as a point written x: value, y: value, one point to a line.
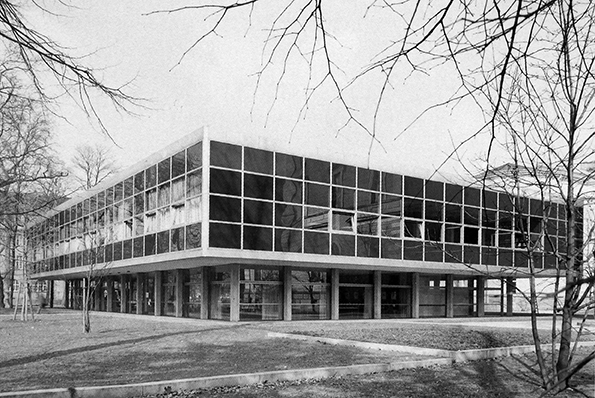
x: 54, y: 354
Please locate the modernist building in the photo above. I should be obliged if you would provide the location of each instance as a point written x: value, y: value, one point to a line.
x: 217, y: 230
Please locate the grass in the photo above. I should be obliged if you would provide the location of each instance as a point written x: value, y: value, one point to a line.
x: 53, y: 352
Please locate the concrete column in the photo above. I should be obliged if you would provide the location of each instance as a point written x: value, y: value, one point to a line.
x: 158, y: 290
x: 110, y: 294
x: 287, y: 293
x: 123, y: 294
x: 234, y: 292
x: 481, y: 284
x: 204, y: 294
x: 334, y: 293
x: 377, y: 295
x: 415, y: 295
x: 450, y: 308
x: 140, y: 297
x: 97, y: 296
x: 51, y: 294
x: 67, y: 294
x: 510, y: 283
x: 179, y: 293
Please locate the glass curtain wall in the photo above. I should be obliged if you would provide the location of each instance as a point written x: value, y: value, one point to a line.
x: 220, y: 294
x: 464, y: 293
x: 395, y: 295
x: 168, y: 295
x: 432, y: 296
x: 192, y: 292
x: 261, y: 294
x: 310, y: 295
x: 356, y: 294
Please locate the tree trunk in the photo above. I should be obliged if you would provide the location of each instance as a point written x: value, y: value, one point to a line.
x: 1, y: 291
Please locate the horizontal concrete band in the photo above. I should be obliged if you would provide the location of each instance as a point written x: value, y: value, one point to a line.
x: 128, y: 390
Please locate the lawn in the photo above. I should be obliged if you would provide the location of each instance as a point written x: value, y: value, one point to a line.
x: 53, y: 352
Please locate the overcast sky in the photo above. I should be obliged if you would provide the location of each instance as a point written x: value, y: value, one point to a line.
x: 215, y: 83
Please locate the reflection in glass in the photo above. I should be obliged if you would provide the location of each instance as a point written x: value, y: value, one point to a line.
x: 343, y: 198
x: 194, y: 183
x: 367, y: 224
x: 288, y: 240
x: 288, y: 215
x: 288, y: 165
x: 288, y: 190
x: 343, y: 245
x: 177, y: 190
x: 343, y: 175
x: 194, y: 156
x: 193, y: 235
x: 316, y: 218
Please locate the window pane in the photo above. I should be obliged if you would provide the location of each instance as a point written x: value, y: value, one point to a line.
x: 433, y: 231
x: 317, y: 195
x: 163, y: 195
x: 472, y: 196
x: 257, y: 212
x: 368, y: 246
x: 368, y: 201
x: 316, y: 242
x: 258, y: 238
x: 433, y: 210
x: 178, y: 164
x: 471, y: 215
x: 413, y: 229
x: 317, y: 170
x: 288, y: 215
x: 177, y: 190
x: 151, y: 199
x: 149, y: 244
x: 391, y: 205
x: 163, y: 170
x: 453, y: 213
x: 391, y: 183
x: 163, y: 242
x: 194, y: 156
x: 343, y: 198
x: 454, y: 193
x: 414, y: 187
x: 288, y: 190
x: 151, y: 176
x: 139, y: 204
x: 288, y: 166
x: 225, y: 209
x: 177, y: 239
x: 128, y: 187
x: 258, y: 160
x: 368, y: 179
x: 226, y: 155
x: 288, y: 240
x: 490, y: 199
x: 367, y: 224
x: 342, y: 221
x: 391, y: 227
x: 391, y: 248
x: 256, y: 186
x: 118, y: 192
x: 193, y: 234
x: 224, y: 235
x: 178, y: 214
x: 315, y: 218
x: 226, y: 182
x: 194, y: 183
x: 343, y: 245
x: 138, y: 247
x: 413, y: 208
x: 434, y: 190
x: 343, y: 175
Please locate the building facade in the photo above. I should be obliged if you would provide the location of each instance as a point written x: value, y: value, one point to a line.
x: 218, y: 230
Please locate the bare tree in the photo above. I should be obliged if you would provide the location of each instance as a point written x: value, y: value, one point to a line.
x: 92, y: 165
x: 44, y: 64
x: 29, y: 170
x: 528, y: 65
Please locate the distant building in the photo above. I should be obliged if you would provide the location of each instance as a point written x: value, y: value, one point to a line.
x: 211, y: 228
